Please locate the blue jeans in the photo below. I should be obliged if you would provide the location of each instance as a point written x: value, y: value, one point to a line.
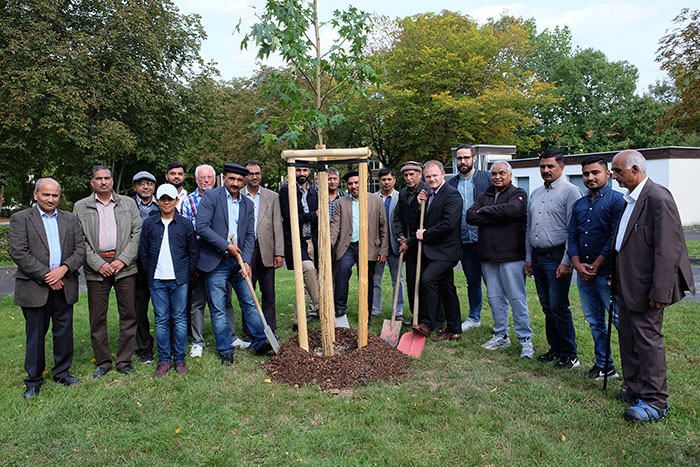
x: 170, y: 304
x: 554, y: 299
x: 215, y: 282
x: 595, y: 300
x: 472, y: 273
x: 393, y: 261
x: 505, y: 283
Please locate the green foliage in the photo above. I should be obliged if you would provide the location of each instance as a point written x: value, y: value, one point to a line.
x: 449, y: 80
x: 95, y: 81
x: 693, y: 248
x: 5, y: 244
x: 679, y: 54
x: 314, y: 76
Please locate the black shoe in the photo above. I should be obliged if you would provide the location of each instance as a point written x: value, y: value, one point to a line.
x: 227, y: 359
x: 126, y: 369
x: 567, y: 363
x: 31, y: 391
x: 146, y: 359
x: 99, y: 372
x: 68, y: 380
x: 265, y: 349
x: 626, y: 398
x: 295, y: 327
x: 339, y: 313
x: 550, y: 356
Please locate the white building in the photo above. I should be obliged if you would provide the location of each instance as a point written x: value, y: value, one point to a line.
x: 676, y: 168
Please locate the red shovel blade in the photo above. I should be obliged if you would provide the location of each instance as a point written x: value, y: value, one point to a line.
x: 412, y: 344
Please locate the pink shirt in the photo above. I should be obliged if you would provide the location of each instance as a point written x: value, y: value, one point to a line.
x: 107, y: 227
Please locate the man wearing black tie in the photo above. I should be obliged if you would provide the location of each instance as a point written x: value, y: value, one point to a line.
x: 442, y: 249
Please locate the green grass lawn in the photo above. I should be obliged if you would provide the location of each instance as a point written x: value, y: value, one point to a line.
x: 463, y: 405
x: 693, y: 248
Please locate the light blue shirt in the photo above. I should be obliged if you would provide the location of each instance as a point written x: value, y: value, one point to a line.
x: 355, y: 220
x: 470, y: 233
x: 51, y: 228
x: 233, y: 209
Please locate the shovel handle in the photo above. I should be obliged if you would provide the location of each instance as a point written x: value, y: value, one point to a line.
x: 244, y: 271
x: 416, y: 293
x: 397, y: 287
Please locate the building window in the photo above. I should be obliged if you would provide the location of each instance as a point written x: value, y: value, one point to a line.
x: 524, y: 183
x: 578, y: 181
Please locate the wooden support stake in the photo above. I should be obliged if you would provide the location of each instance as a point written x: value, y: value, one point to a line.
x: 363, y: 312
x: 325, y: 282
x: 296, y: 252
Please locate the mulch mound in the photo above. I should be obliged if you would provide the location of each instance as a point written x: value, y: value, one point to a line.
x: 349, y: 366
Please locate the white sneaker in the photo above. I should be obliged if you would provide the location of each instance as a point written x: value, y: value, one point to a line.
x: 196, y: 351
x: 470, y: 323
x: 526, y: 349
x: 497, y: 342
x: 241, y: 344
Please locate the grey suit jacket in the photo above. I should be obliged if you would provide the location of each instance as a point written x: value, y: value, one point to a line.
x: 270, y: 236
x: 653, y: 263
x: 393, y: 242
x: 377, y: 230
x: 29, y: 248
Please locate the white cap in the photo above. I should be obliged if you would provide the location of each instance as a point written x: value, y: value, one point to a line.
x: 166, y: 189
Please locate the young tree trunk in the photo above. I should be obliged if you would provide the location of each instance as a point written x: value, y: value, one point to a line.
x: 319, y: 130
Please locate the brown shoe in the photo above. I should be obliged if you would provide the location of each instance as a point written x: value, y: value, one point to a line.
x: 447, y: 336
x: 161, y: 370
x: 181, y: 368
x: 423, y: 329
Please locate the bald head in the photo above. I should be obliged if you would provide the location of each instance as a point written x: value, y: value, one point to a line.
x: 629, y: 168
x: 50, y: 181
x: 47, y: 193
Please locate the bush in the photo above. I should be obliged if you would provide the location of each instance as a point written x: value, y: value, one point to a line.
x: 5, y: 244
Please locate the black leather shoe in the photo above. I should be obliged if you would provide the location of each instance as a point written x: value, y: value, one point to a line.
x: 99, y: 372
x: 547, y: 357
x: 126, y: 369
x: 31, y: 392
x: 68, y: 380
x: 265, y: 349
x: 227, y: 359
x: 295, y: 327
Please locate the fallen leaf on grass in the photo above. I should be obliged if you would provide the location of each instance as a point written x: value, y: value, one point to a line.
x: 92, y: 360
x: 46, y: 372
x: 494, y: 389
x: 139, y: 404
x: 177, y: 431
x: 561, y: 436
x: 20, y: 346
x: 267, y: 380
x: 12, y: 317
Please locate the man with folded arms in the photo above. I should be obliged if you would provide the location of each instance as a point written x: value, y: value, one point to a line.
x: 112, y: 227
x: 501, y: 214
x: 48, y: 246
x: 168, y: 252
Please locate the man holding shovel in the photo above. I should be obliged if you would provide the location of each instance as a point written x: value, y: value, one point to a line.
x: 223, y: 214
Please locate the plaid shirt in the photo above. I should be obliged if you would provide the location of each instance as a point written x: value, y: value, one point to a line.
x: 331, y: 203
x: 189, y: 208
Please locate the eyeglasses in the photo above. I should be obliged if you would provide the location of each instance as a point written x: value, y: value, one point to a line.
x: 464, y: 158
x: 254, y: 174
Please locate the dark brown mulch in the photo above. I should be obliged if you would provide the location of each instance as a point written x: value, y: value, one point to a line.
x: 348, y: 367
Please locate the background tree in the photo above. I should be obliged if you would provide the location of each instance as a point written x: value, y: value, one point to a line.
x: 679, y: 54
x: 85, y: 81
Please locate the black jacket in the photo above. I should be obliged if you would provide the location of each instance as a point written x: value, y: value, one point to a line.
x: 442, y: 239
x: 502, y: 224
x: 407, y: 215
x: 311, y: 216
x: 183, y: 246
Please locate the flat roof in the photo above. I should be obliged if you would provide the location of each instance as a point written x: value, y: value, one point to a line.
x: 665, y: 152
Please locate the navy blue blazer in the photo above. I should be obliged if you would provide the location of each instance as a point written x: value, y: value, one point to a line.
x: 212, y: 227
x: 183, y: 246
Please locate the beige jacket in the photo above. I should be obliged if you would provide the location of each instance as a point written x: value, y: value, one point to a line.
x: 129, y: 231
x: 377, y: 228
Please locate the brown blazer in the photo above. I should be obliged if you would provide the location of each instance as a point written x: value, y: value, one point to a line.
x: 653, y: 263
x: 377, y: 230
x: 29, y: 248
x: 270, y: 236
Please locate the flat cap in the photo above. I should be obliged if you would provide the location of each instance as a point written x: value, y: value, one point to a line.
x: 230, y: 168
x: 143, y: 175
x: 411, y: 165
x: 352, y: 173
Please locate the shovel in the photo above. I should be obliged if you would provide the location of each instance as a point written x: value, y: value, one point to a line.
x: 412, y: 342
x: 268, y: 331
x: 391, y: 329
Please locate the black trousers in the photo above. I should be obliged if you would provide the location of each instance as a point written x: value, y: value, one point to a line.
x: 341, y: 281
x: 144, y: 340
x: 37, y: 325
x: 264, y: 277
x: 437, y: 283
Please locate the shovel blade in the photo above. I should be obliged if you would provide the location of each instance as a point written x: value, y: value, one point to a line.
x: 272, y: 339
x: 342, y: 321
x: 412, y: 344
x: 390, y: 332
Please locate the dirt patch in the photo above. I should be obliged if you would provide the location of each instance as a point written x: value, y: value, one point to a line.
x: 349, y: 367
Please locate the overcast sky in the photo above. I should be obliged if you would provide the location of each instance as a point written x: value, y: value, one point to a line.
x: 623, y: 30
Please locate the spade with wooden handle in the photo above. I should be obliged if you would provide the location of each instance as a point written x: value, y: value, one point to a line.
x: 268, y: 331
x: 412, y: 342
x: 391, y: 329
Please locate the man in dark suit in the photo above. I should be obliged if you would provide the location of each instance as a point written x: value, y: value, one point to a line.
x: 225, y: 214
x: 345, y: 238
x: 651, y: 272
x: 307, y: 205
x: 442, y: 249
x: 48, y: 246
x: 406, y: 221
